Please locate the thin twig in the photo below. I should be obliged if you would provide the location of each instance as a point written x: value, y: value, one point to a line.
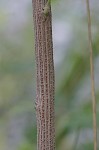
x: 92, y: 75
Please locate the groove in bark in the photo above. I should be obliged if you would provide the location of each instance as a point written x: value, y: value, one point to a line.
x: 45, y: 77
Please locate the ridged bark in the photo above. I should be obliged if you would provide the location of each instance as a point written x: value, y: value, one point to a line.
x: 45, y: 77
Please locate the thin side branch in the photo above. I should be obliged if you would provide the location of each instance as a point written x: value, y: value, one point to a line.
x: 92, y: 75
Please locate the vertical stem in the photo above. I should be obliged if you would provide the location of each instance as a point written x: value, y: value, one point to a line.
x: 92, y: 75
x: 45, y: 77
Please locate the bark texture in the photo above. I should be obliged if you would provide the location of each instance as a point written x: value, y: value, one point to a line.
x: 45, y: 77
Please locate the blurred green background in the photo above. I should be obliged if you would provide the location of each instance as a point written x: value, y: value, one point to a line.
x: 74, y: 127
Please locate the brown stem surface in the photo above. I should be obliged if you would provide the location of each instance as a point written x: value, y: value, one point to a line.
x: 45, y: 77
x: 92, y: 75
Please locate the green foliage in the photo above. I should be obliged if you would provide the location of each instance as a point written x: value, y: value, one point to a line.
x: 26, y: 146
